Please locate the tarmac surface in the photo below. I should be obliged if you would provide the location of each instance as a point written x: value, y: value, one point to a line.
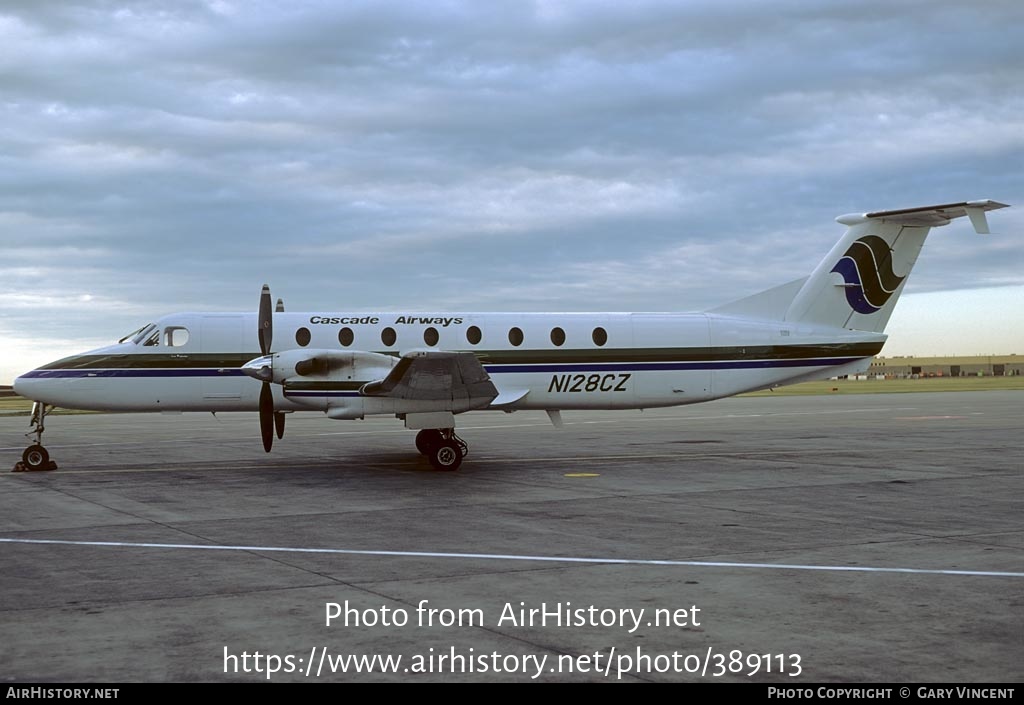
x: 837, y: 538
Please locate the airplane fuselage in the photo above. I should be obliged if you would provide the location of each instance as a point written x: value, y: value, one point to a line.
x: 552, y: 361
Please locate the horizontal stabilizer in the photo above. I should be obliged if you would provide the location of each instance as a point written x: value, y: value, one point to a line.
x: 931, y: 216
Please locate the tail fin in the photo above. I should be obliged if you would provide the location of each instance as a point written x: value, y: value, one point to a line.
x: 857, y: 284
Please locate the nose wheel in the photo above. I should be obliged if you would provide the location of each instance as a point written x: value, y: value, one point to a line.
x: 36, y: 457
x: 442, y: 447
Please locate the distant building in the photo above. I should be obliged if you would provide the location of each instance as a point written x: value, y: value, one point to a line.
x: 965, y: 366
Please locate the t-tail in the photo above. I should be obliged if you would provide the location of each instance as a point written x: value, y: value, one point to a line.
x: 857, y: 284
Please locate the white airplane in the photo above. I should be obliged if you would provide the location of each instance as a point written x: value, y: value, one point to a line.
x: 427, y: 368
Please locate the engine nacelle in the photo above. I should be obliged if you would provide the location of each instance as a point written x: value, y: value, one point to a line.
x: 305, y: 365
x: 330, y: 366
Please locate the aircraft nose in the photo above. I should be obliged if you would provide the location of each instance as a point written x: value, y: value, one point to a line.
x: 34, y: 385
x: 30, y: 386
x: 38, y: 385
x: 21, y: 385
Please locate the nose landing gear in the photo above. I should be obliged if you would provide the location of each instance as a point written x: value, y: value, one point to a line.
x: 36, y: 457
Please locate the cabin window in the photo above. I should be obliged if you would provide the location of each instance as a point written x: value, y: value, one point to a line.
x: 388, y: 336
x: 600, y: 336
x: 302, y: 337
x: 346, y: 336
x: 175, y: 336
x: 558, y: 336
x: 515, y: 336
x: 430, y: 336
x: 473, y: 335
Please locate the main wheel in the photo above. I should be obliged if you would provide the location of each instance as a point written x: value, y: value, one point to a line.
x: 427, y: 440
x: 35, y: 457
x: 446, y: 455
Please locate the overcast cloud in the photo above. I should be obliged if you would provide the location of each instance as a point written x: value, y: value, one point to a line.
x: 165, y: 156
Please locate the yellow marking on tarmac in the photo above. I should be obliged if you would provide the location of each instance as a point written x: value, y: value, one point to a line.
x: 583, y: 474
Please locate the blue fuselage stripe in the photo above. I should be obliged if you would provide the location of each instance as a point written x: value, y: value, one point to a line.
x: 491, y: 369
x: 137, y: 372
x: 662, y: 366
x: 320, y: 394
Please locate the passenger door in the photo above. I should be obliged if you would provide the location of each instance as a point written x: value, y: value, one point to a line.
x: 222, y: 346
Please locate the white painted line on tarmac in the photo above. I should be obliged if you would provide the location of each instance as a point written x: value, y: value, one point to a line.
x: 514, y: 557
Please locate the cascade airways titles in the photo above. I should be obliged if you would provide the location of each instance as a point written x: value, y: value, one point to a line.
x: 374, y: 320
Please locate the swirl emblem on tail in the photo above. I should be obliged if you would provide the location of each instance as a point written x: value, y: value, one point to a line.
x: 866, y: 267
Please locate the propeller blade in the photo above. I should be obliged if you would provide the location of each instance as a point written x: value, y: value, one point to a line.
x: 267, y: 416
x: 266, y: 321
x: 279, y: 423
x: 280, y: 306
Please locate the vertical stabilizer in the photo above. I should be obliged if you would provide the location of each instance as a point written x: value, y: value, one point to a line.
x: 858, y: 283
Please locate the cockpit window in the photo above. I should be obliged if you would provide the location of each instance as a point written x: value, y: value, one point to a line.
x: 136, y: 335
x: 151, y: 336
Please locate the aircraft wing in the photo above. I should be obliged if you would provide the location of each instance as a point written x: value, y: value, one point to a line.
x: 449, y: 378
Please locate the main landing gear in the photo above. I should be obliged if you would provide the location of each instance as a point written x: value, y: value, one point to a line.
x: 442, y: 447
x: 36, y: 456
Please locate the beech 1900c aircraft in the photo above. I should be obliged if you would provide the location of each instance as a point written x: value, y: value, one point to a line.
x: 427, y: 368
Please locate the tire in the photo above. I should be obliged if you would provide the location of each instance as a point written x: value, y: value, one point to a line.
x: 35, y: 457
x: 446, y: 455
x: 427, y: 440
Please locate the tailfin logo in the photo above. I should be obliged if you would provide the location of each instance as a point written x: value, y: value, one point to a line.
x: 866, y: 267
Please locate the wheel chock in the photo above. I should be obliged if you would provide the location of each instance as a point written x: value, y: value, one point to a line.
x: 21, y: 467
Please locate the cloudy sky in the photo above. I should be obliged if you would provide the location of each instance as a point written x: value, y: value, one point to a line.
x: 173, y: 155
